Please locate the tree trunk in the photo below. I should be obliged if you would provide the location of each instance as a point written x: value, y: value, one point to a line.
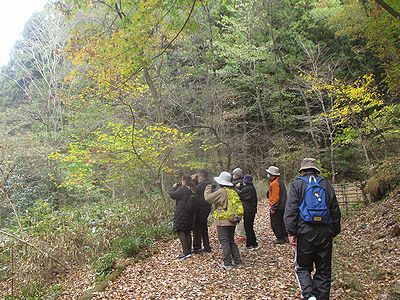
x: 307, y: 105
x: 155, y: 95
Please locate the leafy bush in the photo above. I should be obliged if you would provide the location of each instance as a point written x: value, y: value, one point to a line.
x: 105, y: 264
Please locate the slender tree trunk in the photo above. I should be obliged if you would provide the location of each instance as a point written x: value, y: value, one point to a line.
x: 332, y: 157
x: 258, y: 100
x: 309, y: 119
x: 155, y: 95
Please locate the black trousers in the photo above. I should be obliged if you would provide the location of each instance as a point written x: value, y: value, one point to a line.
x: 226, y: 236
x: 277, y: 225
x: 314, y: 249
x: 200, y: 231
x: 186, y: 241
x: 248, y: 219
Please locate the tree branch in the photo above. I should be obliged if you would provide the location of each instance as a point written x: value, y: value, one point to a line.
x: 388, y: 8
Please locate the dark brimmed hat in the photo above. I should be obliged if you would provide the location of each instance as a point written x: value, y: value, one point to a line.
x: 309, y: 163
x: 248, y: 179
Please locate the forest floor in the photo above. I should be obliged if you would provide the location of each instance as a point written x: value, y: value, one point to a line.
x: 366, y: 265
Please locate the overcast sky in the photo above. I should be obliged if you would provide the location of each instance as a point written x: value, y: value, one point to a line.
x: 13, y: 15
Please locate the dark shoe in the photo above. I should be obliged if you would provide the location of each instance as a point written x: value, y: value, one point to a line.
x: 225, y: 267
x: 279, y: 241
x: 252, y: 248
x: 208, y: 250
x: 239, y: 265
x: 197, y: 251
x: 184, y: 256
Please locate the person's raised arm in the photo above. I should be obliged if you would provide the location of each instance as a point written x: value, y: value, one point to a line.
x: 213, y: 197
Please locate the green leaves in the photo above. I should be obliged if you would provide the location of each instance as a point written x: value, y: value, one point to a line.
x: 117, y: 150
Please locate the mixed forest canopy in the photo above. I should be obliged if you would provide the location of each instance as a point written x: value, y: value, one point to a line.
x: 110, y: 101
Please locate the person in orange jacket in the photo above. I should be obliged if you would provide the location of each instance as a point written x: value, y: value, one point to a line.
x: 277, y: 197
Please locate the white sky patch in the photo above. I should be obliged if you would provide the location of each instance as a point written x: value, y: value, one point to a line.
x: 13, y: 15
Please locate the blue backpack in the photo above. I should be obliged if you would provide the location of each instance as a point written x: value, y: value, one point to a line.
x: 314, y: 209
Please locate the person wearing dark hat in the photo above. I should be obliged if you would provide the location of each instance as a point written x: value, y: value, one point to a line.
x: 277, y: 197
x: 248, y: 196
x: 225, y: 226
x: 312, y: 236
x: 203, y: 209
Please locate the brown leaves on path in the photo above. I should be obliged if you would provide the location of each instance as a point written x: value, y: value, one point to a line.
x: 365, y: 263
x: 267, y: 273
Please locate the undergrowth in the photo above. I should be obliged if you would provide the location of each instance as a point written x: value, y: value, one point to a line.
x: 48, y: 242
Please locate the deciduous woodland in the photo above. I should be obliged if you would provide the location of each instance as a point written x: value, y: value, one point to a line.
x: 104, y: 104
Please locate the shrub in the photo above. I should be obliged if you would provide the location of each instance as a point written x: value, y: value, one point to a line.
x: 383, y: 179
x: 105, y: 264
x: 97, y: 233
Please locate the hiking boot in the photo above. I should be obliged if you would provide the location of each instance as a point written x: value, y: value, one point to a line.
x: 225, y: 267
x: 279, y: 241
x: 208, y: 250
x: 184, y: 256
x: 197, y: 251
x: 252, y: 248
x: 239, y: 265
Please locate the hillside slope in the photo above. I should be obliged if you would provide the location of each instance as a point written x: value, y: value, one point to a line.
x: 367, y: 252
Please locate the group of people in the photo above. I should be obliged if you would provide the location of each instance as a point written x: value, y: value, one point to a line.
x: 308, y: 226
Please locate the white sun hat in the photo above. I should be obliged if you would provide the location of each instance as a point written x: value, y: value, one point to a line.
x: 224, y: 179
x: 273, y: 171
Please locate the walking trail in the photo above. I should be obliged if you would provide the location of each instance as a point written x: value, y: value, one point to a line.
x: 268, y: 273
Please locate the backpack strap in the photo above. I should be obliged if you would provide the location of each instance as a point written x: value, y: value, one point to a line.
x: 227, y: 198
x: 311, y: 178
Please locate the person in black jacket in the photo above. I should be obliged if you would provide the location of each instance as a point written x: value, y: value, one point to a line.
x: 203, y: 209
x: 248, y: 196
x: 184, y: 213
x: 312, y: 241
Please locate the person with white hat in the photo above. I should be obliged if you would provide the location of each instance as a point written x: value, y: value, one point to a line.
x: 225, y: 225
x: 312, y: 219
x: 277, y: 197
x: 237, y: 180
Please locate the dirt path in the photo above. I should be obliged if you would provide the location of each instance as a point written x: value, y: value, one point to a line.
x: 268, y: 272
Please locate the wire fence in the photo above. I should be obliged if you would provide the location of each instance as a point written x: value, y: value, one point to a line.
x: 349, y: 196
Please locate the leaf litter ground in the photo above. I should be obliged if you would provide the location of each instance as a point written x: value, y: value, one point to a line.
x: 366, y: 266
